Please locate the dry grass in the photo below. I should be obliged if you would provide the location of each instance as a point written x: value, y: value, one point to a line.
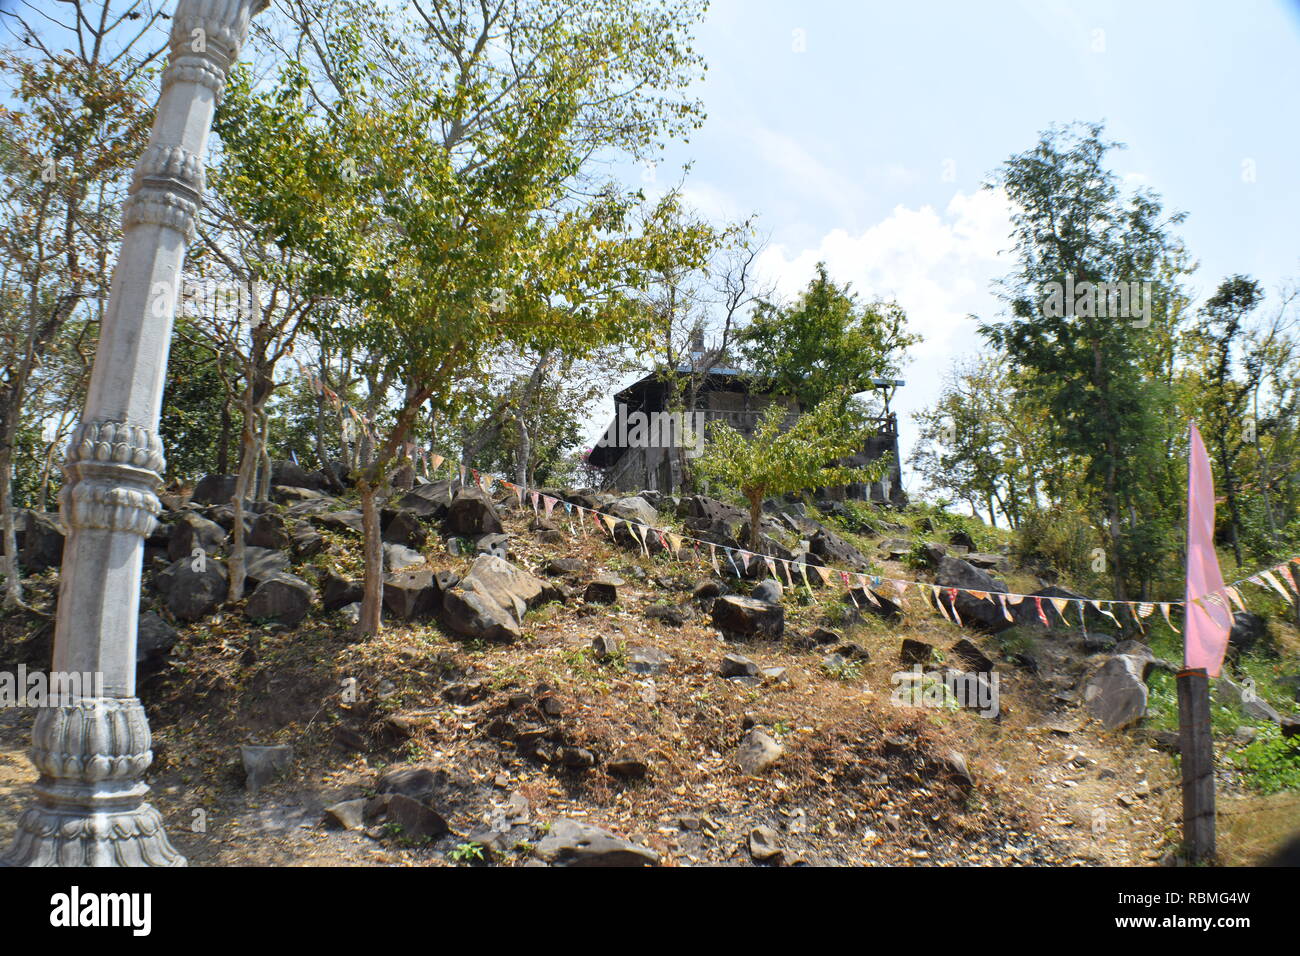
x: 863, y: 781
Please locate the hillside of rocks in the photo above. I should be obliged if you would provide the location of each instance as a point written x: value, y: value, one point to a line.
x: 545, y: 694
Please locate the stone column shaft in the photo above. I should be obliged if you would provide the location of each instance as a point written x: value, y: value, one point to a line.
x: 92, y: 751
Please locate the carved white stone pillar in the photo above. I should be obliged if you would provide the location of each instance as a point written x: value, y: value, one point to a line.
x: 90, y: 807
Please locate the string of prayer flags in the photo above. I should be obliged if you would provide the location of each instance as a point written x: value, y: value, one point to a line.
x: 1061, y: 604
x: 1280, y: 578
x: 1107, y: 612
x: 1038, y: 602
x: 1276, y: 585
x: 1286, y: 574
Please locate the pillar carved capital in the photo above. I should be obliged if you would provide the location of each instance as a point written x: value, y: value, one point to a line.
x: 205, y: 40
x: 93, y: 740
x: 114, y: 471
x: 172, y: 167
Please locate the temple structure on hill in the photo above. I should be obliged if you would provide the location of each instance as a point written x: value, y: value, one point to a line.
x: 641, y: 448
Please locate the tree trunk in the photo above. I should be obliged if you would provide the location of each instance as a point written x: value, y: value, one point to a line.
x: 522, y: 452
x: 1230, y: 492
x: 47, y: 468
x: 322, y: 456
x: 755, y: 519
x: 247, y: 468
x: 223, y: 442
x: 264, y: 459
x: 372, y: 598
x: 9, y: 561
x: 1112, y: 526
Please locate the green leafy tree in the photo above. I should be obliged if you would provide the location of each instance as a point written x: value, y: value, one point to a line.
x: 440, y: 178
x: 982, y: 442
x: 824, y: 343
x: 1223, y: 395
x: 1083, y: 365
x: 73, y: 121
x: 777, y: 460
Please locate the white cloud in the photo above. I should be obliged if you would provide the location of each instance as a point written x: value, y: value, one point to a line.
x: 937, y: 267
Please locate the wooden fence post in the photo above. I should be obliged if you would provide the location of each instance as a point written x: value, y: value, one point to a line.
x: 1197, y: 746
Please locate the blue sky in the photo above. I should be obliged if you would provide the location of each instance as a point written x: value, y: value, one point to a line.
x: 861, y: 132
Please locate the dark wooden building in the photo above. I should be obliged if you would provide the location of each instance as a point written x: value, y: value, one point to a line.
x: 640, y: 448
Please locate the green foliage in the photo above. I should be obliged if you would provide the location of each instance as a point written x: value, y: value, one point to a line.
x: 824, y: 344
x: 1271, y: 761
x: 191, y: 421
x: 1062, y: 539
x: 857, y: 517
x: 467, y: 853
x: 982, y: 442
x: 1090, y: 373
x: 842, y: 669
x: 777, y: 461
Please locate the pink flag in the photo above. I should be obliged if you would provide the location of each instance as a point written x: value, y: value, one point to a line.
x: 1206, y: 627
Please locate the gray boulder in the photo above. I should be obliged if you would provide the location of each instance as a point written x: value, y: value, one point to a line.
x: 758, y: 752
x: 471, y: 514
x: 261, y: 564
x: 491, y: 600
x: 194, y: 589
x: 569, y: 843
x: 338, y: 591
x: 404, y: 818
x: 404, y: 528
x: 915, y: 652
x: 974, y: 612
x: 349, y: 520
x: 647, y: 660
x: 634, y: 508
x: 1250, y: 633
x: 428, y: 501
x: 270, y: 532
x: 284, y: 494
x: 306, y: 542
x: 737, y: 665
x: 1116, y: 694
x: 967, y: 653
x: 497, y: 545
x: 746, y: 617
x: 603, y: 589
x: 835, y: 551
x: 191, y: 530
x: 214, y: 489
x: 895, y: 548
x: 284, y: 598
x: 769, y: 590
x: 154, y: 640
x: 398, y: 557
x: 288, y: 474
x: 1026, y: 612
x: 42, y: 541
x: 412, y: 594
x: 560, y: 567
x: 1245, y: 699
